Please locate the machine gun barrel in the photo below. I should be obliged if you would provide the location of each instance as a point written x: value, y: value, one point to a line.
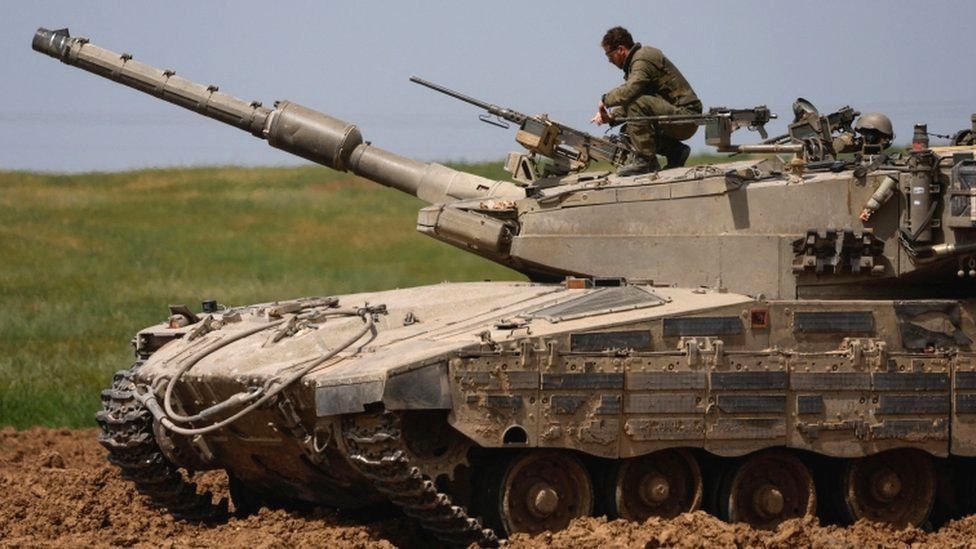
x: 502, y: 112
x: 719, y: 124
x: 756, y: 115
x: 539, y: 134
x: 288, y: 126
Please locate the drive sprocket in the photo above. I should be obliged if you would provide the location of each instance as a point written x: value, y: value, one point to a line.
x: 433, y: 445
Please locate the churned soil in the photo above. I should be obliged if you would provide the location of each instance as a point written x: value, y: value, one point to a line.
x: 57, y: 489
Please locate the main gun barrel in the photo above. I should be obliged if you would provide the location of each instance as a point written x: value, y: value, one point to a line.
x: 288, y: 126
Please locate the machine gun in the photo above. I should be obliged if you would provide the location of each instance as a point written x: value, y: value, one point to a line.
x: 719, y: 124
x: 570, y: 150
x: 822, y: 137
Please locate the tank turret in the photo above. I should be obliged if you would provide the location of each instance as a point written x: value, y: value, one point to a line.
x: 822, y: 225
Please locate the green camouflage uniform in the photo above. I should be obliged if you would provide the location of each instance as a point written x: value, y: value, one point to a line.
x: 653, y: 86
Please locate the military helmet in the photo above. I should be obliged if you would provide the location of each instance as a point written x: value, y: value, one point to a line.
x: 875, y: 122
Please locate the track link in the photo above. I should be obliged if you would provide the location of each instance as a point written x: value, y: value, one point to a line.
x: 127, y: 434
x: 377, y: 450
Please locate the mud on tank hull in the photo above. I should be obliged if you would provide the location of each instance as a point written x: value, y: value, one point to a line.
x: 525, y: 405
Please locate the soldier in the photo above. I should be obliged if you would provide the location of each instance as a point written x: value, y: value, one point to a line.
x: 654, y: 86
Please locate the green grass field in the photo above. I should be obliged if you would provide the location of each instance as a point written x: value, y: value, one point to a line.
x: 87, y: 260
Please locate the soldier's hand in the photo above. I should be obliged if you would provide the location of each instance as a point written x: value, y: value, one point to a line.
x: 601, y: 116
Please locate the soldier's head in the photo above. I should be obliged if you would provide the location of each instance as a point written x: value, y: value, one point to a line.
x: 616, y: 43
x: 876, y: 129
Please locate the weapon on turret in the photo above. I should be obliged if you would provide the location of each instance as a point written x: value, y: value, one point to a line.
x: 570, y: 149
x: 719, y: 124
x: 288, y: 126
x: 822, y: 137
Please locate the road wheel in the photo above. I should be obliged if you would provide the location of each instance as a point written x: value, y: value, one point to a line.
x: 661, y: 484
x: 543, y: 490
x: 768, y: 488
x: 896, y: 487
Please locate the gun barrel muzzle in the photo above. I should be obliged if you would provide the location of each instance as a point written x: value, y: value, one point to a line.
x: 52, y: 42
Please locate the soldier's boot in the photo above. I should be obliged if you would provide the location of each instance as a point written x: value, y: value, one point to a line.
x: 642, y: 140
x: 677, y: 155
x: 638, y: 166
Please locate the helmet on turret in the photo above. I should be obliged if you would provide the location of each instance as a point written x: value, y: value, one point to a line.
x: 875, y: 128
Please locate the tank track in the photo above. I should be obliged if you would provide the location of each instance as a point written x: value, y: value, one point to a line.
x: 127, y: 434
x: 377, y: 450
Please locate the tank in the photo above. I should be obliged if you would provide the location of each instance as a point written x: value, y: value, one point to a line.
x: 782, y: 334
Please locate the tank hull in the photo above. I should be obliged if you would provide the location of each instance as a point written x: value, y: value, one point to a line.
x: 610, y: 375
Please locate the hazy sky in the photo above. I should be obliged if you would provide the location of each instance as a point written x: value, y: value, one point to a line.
x: 913, y: 60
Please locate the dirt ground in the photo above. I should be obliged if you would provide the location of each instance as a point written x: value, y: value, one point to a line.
x: 56, y: 489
